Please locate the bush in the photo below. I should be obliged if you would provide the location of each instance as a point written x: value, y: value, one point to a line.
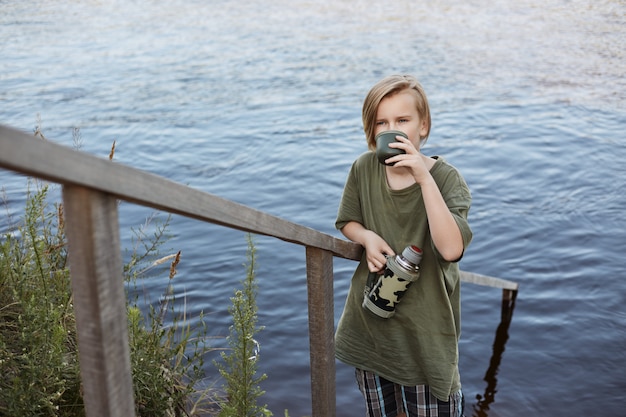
x: 167, y: 354
x: 38, y: 358
x: 38, y: 346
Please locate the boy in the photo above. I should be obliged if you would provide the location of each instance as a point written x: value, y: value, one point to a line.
x: 408, y: 362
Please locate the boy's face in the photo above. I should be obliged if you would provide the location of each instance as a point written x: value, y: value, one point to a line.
x: 399, y: 112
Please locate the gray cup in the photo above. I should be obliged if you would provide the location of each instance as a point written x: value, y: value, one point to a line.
x: 383, y: 139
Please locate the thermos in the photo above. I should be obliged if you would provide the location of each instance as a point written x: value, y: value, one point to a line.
x: 382, y: 297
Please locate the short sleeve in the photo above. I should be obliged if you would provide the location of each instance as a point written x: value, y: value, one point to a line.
x: 458, y: 198
x: 350, y: 205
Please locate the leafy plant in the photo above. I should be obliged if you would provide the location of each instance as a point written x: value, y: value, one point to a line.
x: 239, y: 366
x: 38, y: 345
x: 38, y: 358
x: 167, y: 354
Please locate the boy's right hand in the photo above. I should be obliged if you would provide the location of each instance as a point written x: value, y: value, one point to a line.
x: 375, y: 246
x: 376, y: 251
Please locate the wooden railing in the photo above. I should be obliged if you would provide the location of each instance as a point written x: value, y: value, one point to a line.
x: 91, y: 188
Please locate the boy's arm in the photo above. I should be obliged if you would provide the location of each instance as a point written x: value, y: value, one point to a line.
x: 444, y: 230
x: 375, y: 246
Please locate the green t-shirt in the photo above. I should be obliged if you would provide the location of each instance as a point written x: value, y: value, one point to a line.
x: 419, y: 344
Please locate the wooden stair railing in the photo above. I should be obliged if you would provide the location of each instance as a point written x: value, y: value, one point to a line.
x: 91, y: 188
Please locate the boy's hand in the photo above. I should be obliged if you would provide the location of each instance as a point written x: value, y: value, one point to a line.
x: 375, y: 250
x: 412, y: 160
x: 375, y: 246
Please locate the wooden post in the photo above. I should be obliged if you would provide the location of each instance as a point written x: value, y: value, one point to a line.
x: 319, y: 266
x: 508, y: 304
x: 92, y: 230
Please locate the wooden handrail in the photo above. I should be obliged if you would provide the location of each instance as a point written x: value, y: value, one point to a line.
x: 90, y: 185
x: 28, y: 155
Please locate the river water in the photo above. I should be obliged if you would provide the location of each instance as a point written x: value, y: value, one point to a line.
x: 259, y: 102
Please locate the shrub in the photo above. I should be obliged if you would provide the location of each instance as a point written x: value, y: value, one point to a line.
x: 38, y: 358
x: 38, y: 346
x: 239, y: 366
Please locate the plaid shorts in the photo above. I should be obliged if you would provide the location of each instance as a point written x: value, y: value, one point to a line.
x: 386, y: 399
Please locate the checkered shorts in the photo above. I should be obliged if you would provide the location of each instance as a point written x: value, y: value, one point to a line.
x: 386, y: 399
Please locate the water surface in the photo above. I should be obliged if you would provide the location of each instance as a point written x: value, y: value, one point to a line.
x: 259, y: 102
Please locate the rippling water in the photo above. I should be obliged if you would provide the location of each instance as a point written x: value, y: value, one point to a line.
x: 259, y: 102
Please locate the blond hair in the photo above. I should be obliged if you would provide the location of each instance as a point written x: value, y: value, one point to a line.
x: 387, y: 87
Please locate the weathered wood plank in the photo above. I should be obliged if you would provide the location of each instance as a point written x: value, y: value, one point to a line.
x: 319, y: 266
x: 99, y: 302
x: 44, y: 159
x: 489, y: 281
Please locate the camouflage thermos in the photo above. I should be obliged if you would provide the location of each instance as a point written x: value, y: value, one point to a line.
x: 400, y: 271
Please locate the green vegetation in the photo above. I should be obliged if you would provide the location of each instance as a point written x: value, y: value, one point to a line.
x: 38, y: 358
x: 38, y: 345
x: 167, y: 354
x: 239, y: 368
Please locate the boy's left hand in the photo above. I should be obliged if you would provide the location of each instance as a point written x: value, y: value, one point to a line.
x: 412, y: 159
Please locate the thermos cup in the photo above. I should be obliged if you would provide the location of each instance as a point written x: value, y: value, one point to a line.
x: 383, y: 139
